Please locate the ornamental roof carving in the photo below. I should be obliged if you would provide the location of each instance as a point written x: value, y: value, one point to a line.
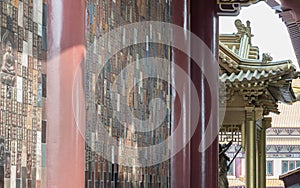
x: 260, y: 80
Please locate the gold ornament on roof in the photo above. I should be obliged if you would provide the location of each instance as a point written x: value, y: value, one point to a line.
x: 266, y: 57
x: 242, y: 29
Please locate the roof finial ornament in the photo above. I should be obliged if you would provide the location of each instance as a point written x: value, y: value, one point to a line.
x: 242, y: 29
x: 248, y: 29
x: 266, y: 57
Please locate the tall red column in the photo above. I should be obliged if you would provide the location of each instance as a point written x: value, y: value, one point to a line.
x: 66, y: 47
x: 204, y: 24
x: 192, y: 168
x: 181, y: 162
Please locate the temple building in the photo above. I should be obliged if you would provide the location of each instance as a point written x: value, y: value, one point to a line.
x: 282, y: 148
x: 260, y: 82
x: 283, y: 141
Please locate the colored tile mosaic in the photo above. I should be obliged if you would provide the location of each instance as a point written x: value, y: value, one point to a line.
x: 116, y: 94
x: 21, y: 127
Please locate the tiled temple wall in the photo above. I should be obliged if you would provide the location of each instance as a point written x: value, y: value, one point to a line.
x: 22, y: 97
x: 103, y: 16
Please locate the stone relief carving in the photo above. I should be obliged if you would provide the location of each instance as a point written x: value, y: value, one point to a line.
x: 8, y: 59
x: 8, y: 68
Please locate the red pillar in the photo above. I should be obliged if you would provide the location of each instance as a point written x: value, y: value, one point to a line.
x: 191, y: 168
x: 204, y: 24
x: 66, y: 46
x: 180, y: 163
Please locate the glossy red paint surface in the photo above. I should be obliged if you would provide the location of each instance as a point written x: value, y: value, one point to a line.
x: 66, y: 47
x: 204, y: 23
x: 191, y: 168
x: 181, y: 162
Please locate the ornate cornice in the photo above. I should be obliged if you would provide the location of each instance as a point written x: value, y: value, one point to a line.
x: 278, y: 131
x: 283, y: 155
x: 283, y: 149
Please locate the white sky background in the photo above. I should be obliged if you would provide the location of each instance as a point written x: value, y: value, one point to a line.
x: 270, y: 33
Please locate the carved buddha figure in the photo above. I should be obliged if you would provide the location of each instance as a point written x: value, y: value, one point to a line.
x: 8, y: 63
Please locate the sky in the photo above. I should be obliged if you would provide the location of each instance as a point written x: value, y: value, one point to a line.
x: 270, y: 32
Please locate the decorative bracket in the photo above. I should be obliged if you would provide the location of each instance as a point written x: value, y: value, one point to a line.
x: 232, y: 7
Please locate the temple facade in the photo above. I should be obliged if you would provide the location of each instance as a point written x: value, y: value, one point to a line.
x: 282, y: 148
x: 254, y: 85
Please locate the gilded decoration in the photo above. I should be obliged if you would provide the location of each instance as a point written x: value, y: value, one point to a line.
x: 266, y: 57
